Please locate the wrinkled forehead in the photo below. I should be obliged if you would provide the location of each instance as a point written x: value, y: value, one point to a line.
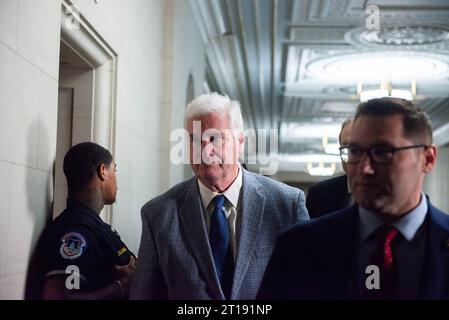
x: 214, y: 121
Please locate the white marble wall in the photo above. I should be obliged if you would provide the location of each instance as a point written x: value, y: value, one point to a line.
x: 184, y: 54
x: 29, y: 51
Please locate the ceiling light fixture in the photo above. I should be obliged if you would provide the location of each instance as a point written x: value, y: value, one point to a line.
x: 372, y: 67
x: 321, y: 169
x: 330, y: 148
x: 386, y: 90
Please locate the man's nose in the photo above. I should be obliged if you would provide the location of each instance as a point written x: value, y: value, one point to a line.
x: 366, y: 164
x: 208, y: 147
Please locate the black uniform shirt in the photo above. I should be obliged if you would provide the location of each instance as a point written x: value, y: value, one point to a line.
x: 79, y: 237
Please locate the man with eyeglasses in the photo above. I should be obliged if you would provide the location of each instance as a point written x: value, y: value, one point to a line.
x: 332, y: 194
x: 392, y: 243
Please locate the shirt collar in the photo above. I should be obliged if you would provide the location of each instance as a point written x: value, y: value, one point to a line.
x: 408, y: 225
x: 232, y: 193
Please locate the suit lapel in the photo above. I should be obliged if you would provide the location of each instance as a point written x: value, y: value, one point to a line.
x: 252, y: 210
x: 195, y: 232
x: 436, y: 275
x: 342, y: 198
x: 343, y: 241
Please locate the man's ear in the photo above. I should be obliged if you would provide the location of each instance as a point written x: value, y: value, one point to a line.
x: 430, y: 156
x: 101, y: 172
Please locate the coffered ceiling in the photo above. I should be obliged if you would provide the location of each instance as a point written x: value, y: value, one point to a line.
x: 298, y: 66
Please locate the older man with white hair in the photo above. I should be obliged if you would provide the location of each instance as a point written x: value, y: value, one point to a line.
x: 211, y: 237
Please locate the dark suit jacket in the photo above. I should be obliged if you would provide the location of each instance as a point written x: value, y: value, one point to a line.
x: 317, y: 259
x: 327, y: 196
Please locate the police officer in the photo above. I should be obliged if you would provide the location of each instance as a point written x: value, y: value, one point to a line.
x: 85, y: 258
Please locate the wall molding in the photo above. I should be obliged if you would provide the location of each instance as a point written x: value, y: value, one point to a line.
x: 79, y: 35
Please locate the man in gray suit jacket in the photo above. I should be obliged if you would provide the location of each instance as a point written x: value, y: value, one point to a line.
x: 211, y: 237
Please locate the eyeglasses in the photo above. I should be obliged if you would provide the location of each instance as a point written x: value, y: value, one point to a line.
x: 379, y: 154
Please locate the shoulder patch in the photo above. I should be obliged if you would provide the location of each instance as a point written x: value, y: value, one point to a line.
x: 72, y: 245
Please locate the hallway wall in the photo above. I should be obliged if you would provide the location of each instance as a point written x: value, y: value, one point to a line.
x: 184, y: 54
x: 152, y: 70
x: 134, y: 30
x: 29, y: 51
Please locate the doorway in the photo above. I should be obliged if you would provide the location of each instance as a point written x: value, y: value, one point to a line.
x: 86, y: 100
x: 75, y: 103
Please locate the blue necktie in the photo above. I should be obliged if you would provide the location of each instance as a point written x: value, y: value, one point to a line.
x: 219, y: 235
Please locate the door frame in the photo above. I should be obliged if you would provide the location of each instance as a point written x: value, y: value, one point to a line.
x: 87, y: 43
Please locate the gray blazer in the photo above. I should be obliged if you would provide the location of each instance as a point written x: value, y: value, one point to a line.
x: 175, y: 259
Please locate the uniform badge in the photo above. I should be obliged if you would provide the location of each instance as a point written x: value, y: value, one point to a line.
x: 72, y: 245
x: 121, y: 251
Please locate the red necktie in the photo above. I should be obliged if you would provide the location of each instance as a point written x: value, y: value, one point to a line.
x: 383, y: 257
x: 389, y: 234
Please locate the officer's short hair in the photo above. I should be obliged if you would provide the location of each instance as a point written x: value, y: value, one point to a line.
x: 416, y: 122
x: 81, y: 163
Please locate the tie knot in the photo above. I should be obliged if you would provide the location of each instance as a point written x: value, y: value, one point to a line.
x: 219, y: 201
x: 386, y: 233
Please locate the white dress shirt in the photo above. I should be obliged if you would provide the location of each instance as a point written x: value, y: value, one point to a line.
x: 231, y: 207
x: 408, y: 225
